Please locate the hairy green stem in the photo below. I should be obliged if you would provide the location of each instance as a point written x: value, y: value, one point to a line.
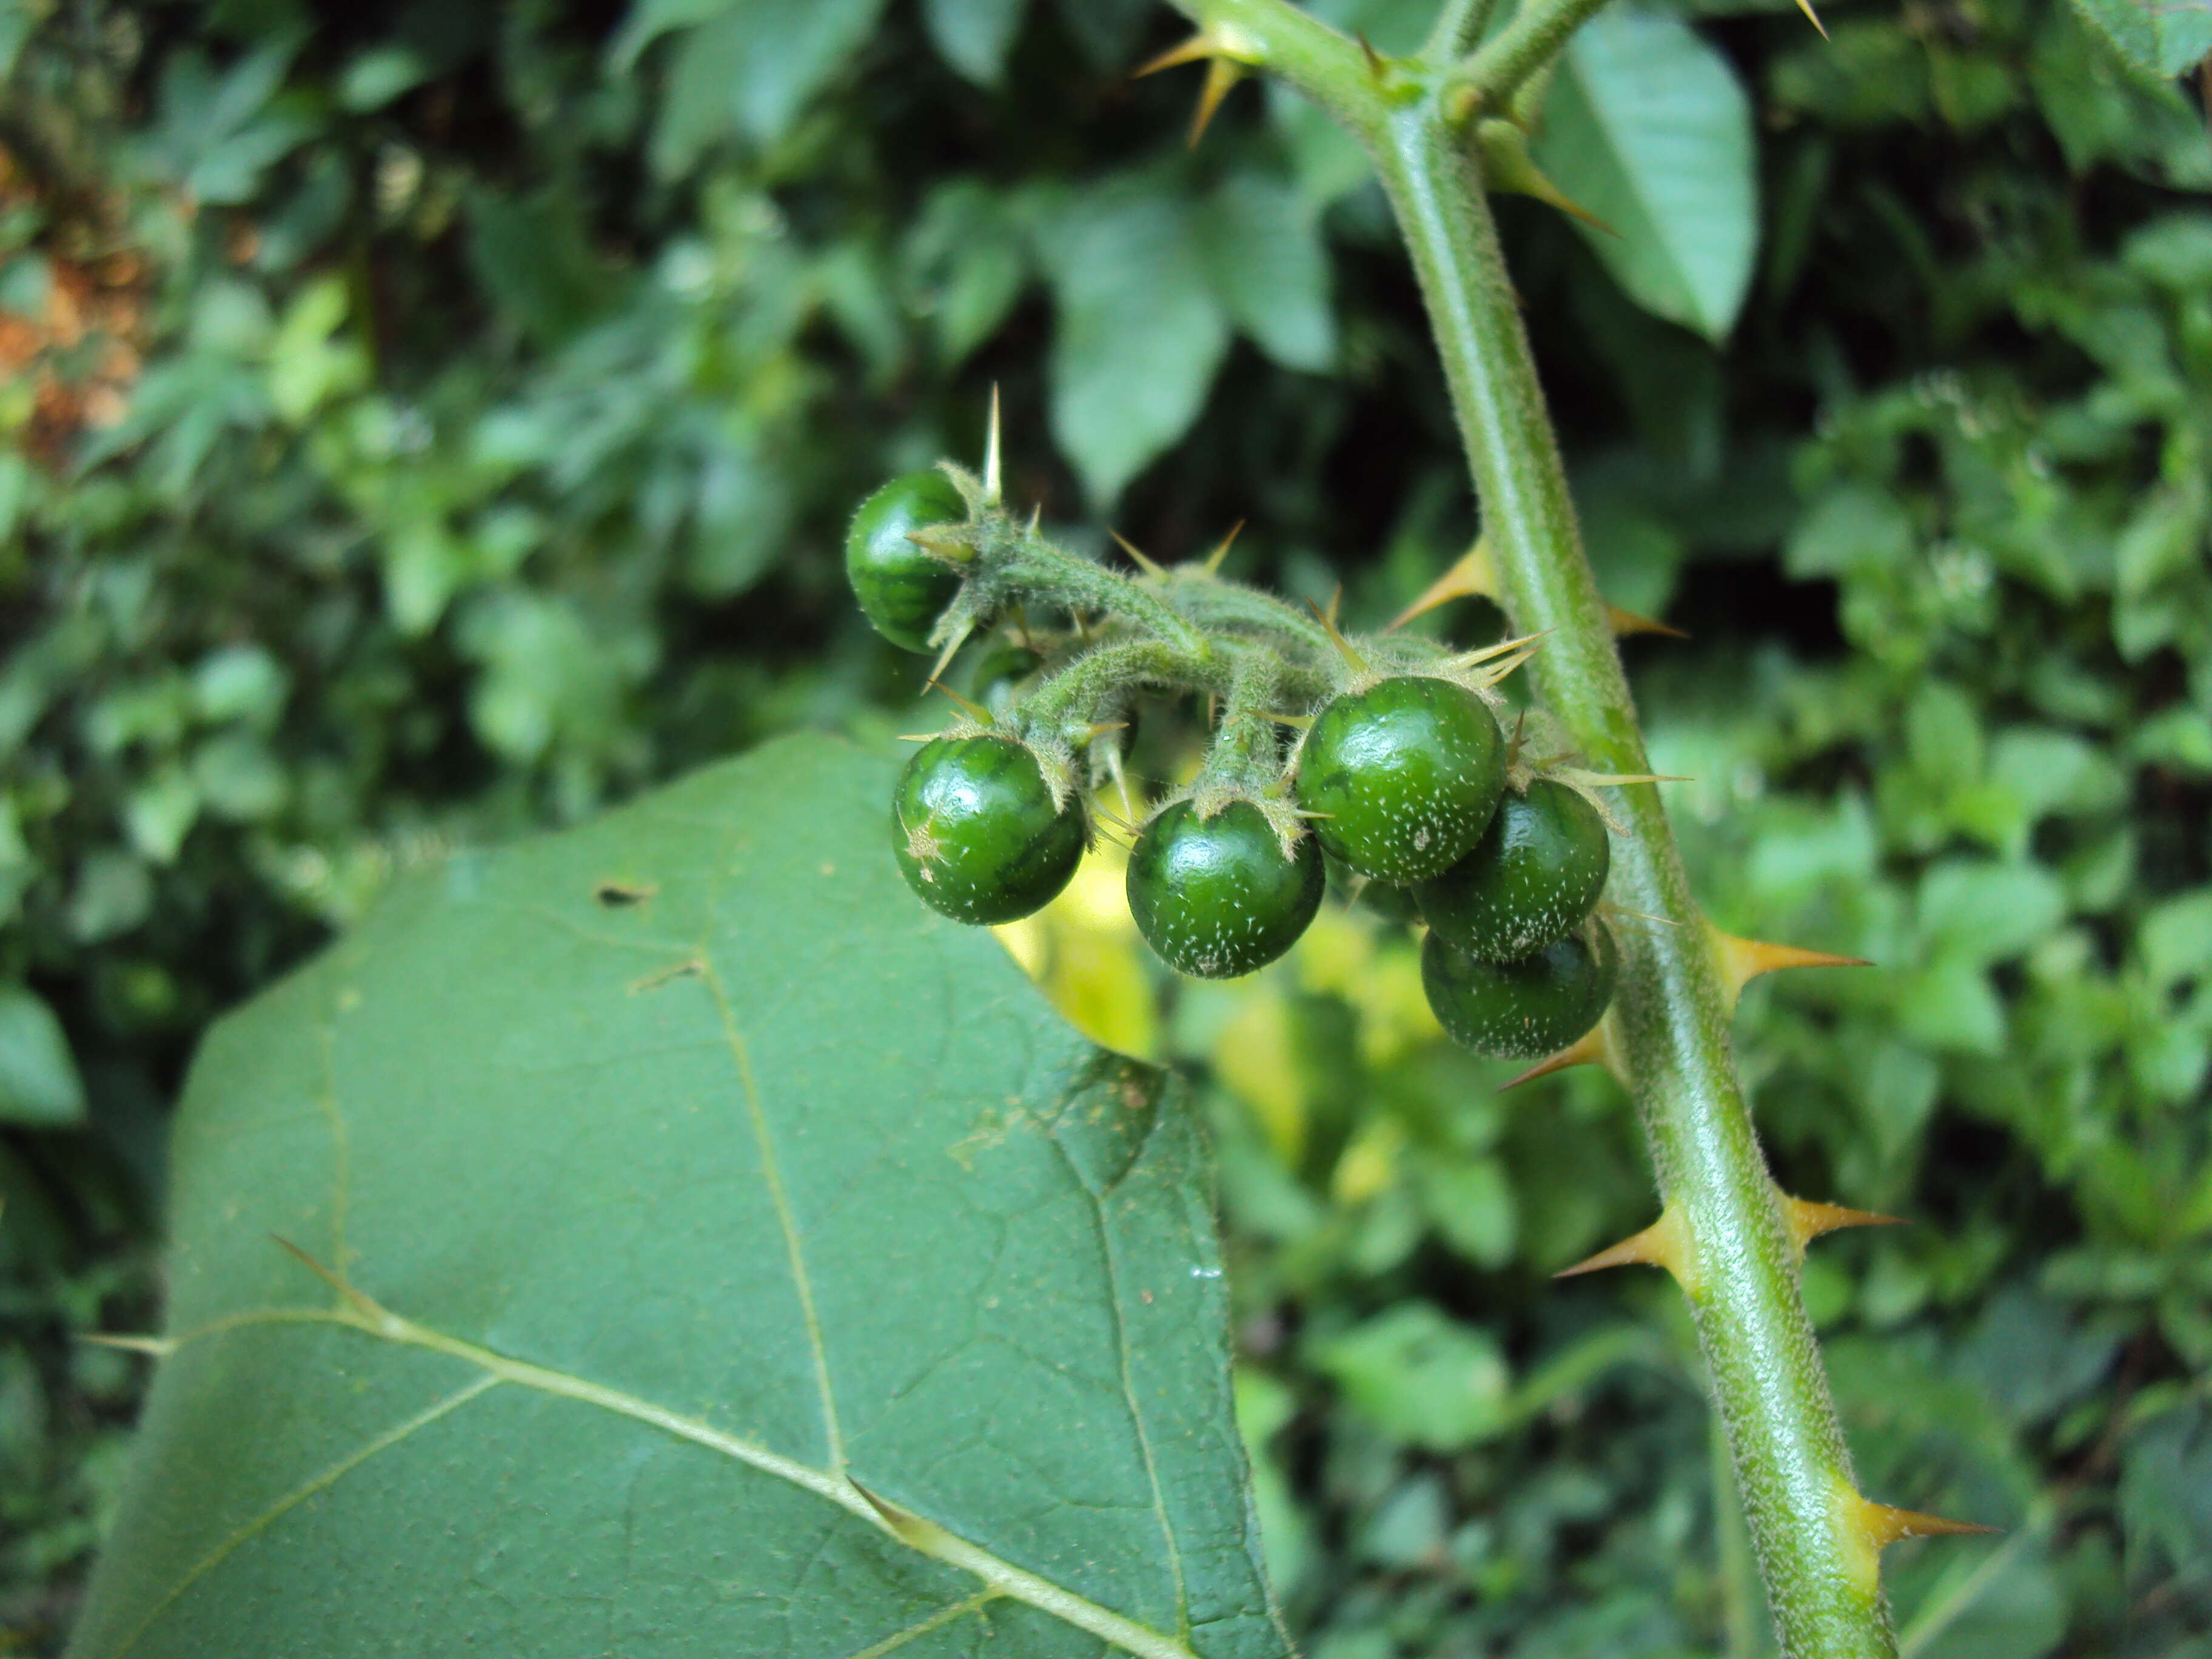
x: 1459, y: 25
x: 1038, y: 570
x: 1488, y: 79
x: 1083, y: 690
x: 1211, y: 603
x: 1669, y: 1023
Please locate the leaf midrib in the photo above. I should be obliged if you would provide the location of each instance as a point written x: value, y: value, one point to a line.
x: 356, y: 1311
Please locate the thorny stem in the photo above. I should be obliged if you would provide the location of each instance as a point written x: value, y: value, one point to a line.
x: 1670, y: 1016
x: 1042, y: 571
x: 1213, y: 603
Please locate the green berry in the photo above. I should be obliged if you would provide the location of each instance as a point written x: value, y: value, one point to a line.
x: 1000, y: 675
x: 1533, y: 876
x: 1403, y: 775
x: 1215, y: 897
x: 1521, y: 1010
x: 976, y: 833
x: 902, y: 590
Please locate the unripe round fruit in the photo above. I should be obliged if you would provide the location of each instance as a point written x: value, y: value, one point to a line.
x: 901, y: 589
x: 1215, y: 897
x: 1405, y: 775
x: 1533, y: 876
x: 1521, y: 1010
x: 976, y: 834
x: 1000, y: 672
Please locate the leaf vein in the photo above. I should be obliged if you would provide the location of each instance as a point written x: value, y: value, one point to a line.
x: 292, y: 1500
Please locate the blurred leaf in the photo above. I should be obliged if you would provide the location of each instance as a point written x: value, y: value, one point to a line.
x: 1647, y: 128
x: 111, y: 894
x: 743, y: 67
x: 1472, y: 1204
x: 532, y: 255
x: 1262, y: 247
x: 2101, y: 108
x: 2176, y: 939
x: 220, y: 131
x: 1421, y: 1377
x: 2166, y: 1489
x: 2014, y: 1606
x: 39, y: 1084
x: 1986, y: 913
x: 2159, y: 37
x: 377, y: 77
x: 638, y: 1191
x: 973, y: 35
x: 1107, y: 30
x: 1140, y: 328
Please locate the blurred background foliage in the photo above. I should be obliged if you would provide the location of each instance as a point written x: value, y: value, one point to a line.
x: 429, y: 421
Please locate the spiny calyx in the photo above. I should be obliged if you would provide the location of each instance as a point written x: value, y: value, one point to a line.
x: 1385, y: 749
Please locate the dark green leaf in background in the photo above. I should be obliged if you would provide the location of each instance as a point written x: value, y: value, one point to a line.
x: 740, y: 66
x: 38, y: 1085
x: 1648, y: 128
x: 973, y: 35
x: 1262, y: 247
x: 1140, y: 329
x: 758, y: 1265
x: 2164, y: 37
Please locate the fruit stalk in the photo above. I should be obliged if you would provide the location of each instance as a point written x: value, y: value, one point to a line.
x: 1737, y: 1259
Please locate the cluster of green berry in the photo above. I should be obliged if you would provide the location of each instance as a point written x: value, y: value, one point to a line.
x: 1402, y: 774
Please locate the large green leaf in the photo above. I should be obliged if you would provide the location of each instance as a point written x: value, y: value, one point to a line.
x: 737, y: 1259
x: 1648, y: 128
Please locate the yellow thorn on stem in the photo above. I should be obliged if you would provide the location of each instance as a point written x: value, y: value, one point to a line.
x: 952, y: 650
x: 1809, y: 1220
x: 1625, y: 623
x: 1469, y: 577
x: 160, y: 1347
x: 1224, y: 68
x: 991, y: 451
x: 1221, y: 78
x: 1484, y: 653
x: 1882, y: 1526
x: 973, y: 711
x: 1472, y: 576
x: 1743, y: 960
x: 1327, y: 620
x: 1507, y: 166
x: 1662, y: 1244
x: 1592, y: 1047
x: 1813, y: 17
x: 1146, y: 565
x: 1200, y: 48
x: 1213, y: 559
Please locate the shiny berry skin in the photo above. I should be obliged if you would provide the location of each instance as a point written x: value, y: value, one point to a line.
x: 1216, y: 897
x: 975, y: 831
x: 901, y: 589
x: 1407, y: 774
x: 1533, y: 876
x: 1521, y: 1010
